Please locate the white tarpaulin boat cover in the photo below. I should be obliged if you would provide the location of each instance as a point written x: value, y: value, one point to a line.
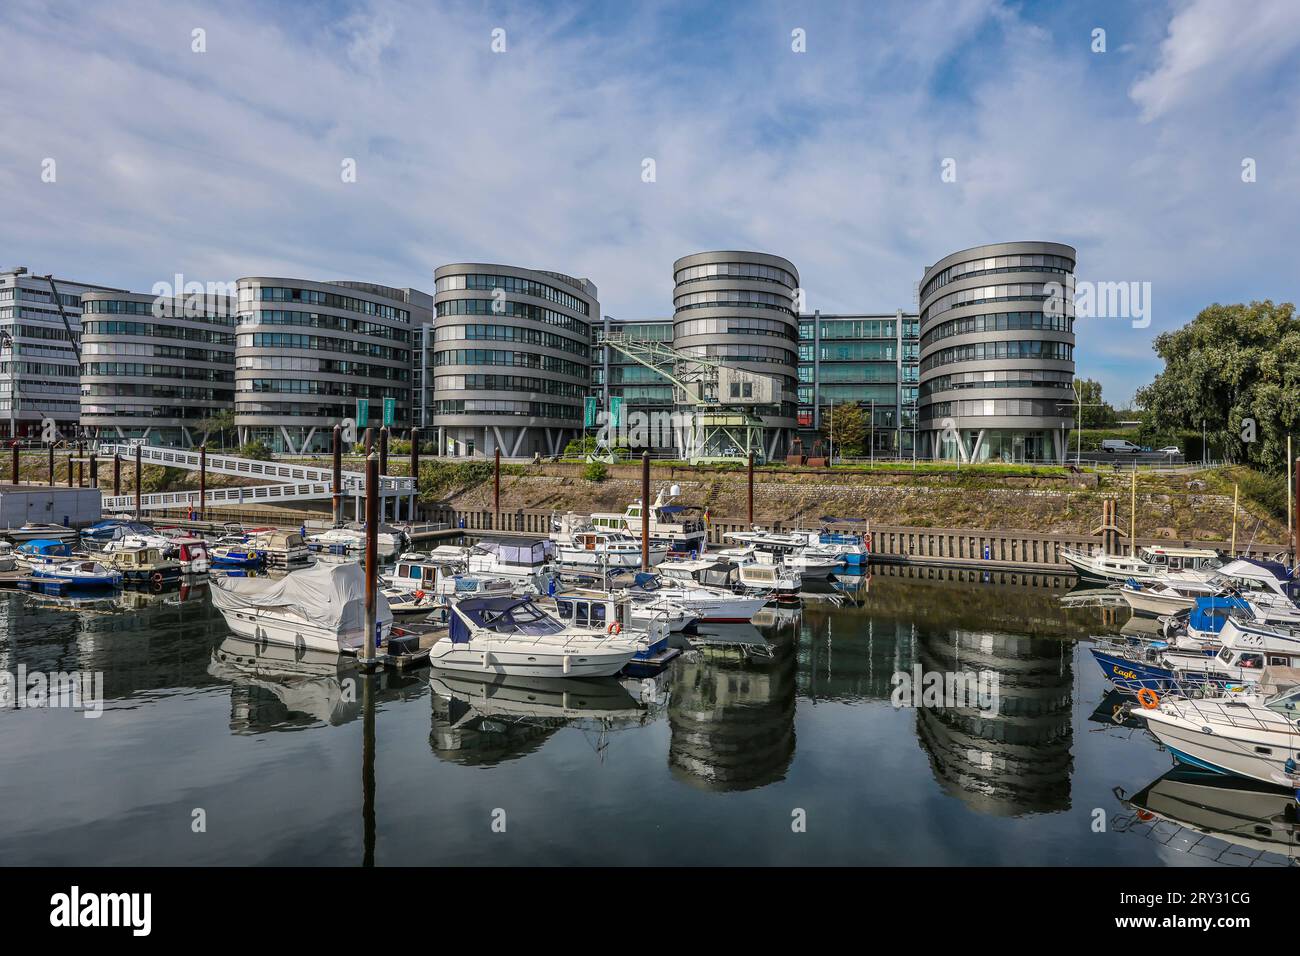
x: 332, y: 596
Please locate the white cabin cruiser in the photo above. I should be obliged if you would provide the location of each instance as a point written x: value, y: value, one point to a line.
x: 761, y: 572
x: 789, y: 550
x: 352, y: 538
x: 419, y: 584
x: 584, y: 547
x: 1268, y: 585
x: 681, y: 583
x: 672, y: 526
x: 514, y: 636
x: 1154, y: 562
x: 1250, y: 733
x: 322, y: 607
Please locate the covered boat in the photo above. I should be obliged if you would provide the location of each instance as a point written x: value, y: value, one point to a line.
x: 322, y: 607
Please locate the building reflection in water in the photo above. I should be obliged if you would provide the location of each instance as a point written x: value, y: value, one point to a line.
x: 732, y: 711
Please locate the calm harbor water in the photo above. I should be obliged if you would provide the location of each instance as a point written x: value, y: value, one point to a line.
x: 711, y: 763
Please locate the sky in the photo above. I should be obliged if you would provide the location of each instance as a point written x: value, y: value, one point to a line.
x: 229, y: 161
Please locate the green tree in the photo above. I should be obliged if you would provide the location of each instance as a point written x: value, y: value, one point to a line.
x: 1095, y: 412
x: 846, y: 426
x: 257, y: 450
x: 217, y: 424
x: 1237, y: 368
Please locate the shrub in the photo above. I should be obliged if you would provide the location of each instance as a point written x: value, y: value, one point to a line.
x: 258, y: 450
x: 595, y: 471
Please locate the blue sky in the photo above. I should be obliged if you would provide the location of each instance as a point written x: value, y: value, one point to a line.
x: 227, y: 163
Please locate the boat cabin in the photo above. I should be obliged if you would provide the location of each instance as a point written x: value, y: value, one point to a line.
x: 1181, y: 559
x: 45, y: 549
x: 595, y: 609
x: 524, y: 554
x: 718, y: 574
x: 501, y: 615
x: 130, y: 559
x: 414, y: 572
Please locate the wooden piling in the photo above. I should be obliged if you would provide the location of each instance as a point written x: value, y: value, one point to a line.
x: 415, y: 469
x: 383, y: 450
x: 645, y: 511
x: 203, y: 482
x: 372, y: 554
x: 338, y: 474
x: 117, y: 473
x: 94, y: 470
x: 15, y: 463
x: 496, y: 488
x: 750, y: 481
x: 138, y: 482
x: 51, y: 464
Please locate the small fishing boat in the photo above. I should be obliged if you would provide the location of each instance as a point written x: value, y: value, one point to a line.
x: 418, y: 584
x: 513, y: 636
x: 237, y: 556
x: 681, y: 529
x: 582, y: 546
x: 1249, y: 732
x: 79, y: 575
x: 320, y: 608
x: 40, y: 551
x: 144, y: 566
x: 282, y: 548
x: 760, y: 575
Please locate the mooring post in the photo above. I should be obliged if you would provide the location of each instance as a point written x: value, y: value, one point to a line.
x: 203, y: 482
x: 71, y: 452
x: 1133, y: 514
x: 81, y: 465
x: 750, y: 479
x: 338, y: 475
x: 15, y: 464
x: 1295, y: 555
x: 496, y: 489
x: 94, y: 469
x: 415, y: 469
x: 383, y: 450
x: 372, y: 555
x: 117, y: 473
x: 645, y: 509
x: 51, y: 464
x: 138, y: 482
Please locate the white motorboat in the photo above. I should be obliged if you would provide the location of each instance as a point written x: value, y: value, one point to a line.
x: 582, y: 546
x: 1268, y: 586
x: 352, y: 538
x: 1250, y: 733
x: 528, y: 562
x: 647, y: 606
x: 418, y: 584
x: 791, y: 550
x: 7, y: 560
x: 36, y: 531
x: 514, y: 636
x: 672, y: 526
x: 282, y: 548
x: 678, y: 582
x: 83, y: 575
x: 1155, y: 562
x: 760, y: 573
x: 320, y: 608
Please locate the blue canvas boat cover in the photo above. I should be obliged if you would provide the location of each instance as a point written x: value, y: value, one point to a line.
x: 1210, y: 612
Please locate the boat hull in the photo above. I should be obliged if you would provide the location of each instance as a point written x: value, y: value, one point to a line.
x: 527, y: 662
x: 1152, y: 604
x: 1236, y: 754
x: 262, y: 628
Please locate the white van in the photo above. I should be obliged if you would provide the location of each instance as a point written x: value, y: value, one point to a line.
x: 1117, y: 446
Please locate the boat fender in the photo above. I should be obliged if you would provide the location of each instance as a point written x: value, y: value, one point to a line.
x: 566, y: 663
x: 487, y: 658
x: 1148, y: 698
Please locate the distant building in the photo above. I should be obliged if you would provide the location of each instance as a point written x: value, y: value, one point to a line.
x: 39, y: 373
x: 155, y: 368
x: 310, y: 354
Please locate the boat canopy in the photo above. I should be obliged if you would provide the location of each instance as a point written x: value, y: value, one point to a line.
x: 50, y: 546
x: 331, y: 595
x: 1251, y: 568
x: 504, y: 615
x: 1210, y: 612
x: 524, y: 551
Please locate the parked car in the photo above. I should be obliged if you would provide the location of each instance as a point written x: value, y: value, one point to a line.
x: 1117, y: 446
x: 1171, y: 450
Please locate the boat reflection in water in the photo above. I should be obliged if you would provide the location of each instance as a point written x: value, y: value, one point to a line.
x: 482, y: 721
x: 1228, y: 820
x: 1013, y: 758
x: 732, y: 710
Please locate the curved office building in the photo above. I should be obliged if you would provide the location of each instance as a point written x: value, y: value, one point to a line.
x: 310, y: 354
x: 155, y: 367
x: 739, y: 307
x: 511, y: 360
x: 997, y: 353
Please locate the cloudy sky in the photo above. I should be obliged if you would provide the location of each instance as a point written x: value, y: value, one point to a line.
x: 228, y: 162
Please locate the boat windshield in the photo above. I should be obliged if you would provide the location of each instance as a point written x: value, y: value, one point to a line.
x: 1287, y: 703
x: 522, y: 618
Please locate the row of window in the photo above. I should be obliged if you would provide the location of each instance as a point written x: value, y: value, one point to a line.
x: 193, y: 308
x: 858, y: 329
x: 745, y: 353
x: 508, y: 383
x: 536, y: 360
x: 718, y: 298
x: 516, y: 286
x: 475, y: 406
x: 331, y: 300
x: 151, y: 350
x: 320, y: 343
x: 1016, y: 291
x: 996, y: 264
x: 300, y: 386
x: 872, y: 351
x: 515, y: 310
x: 154, y: 330
x: 146, y: 370
x: 319, y: 320
x: 998, y: 322
x: 1000, y: 378
x: 293, y: 363
x: 979, y: 351
x: 193, y: 413
x: 736, y: 270
x: 511, y: 333
x: 974, y: 408
x: 856, y: 372
x: 43, y: 332
x: 43, y: 369
x: 736, y: 326
x: 338, y: 407
x: 144, y: 390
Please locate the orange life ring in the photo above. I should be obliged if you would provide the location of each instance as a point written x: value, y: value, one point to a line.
x: 419, y: 595
x: 1148, y: 698
x: 1146, y: 816
x: 156, y: 577
x: 614, y: 628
